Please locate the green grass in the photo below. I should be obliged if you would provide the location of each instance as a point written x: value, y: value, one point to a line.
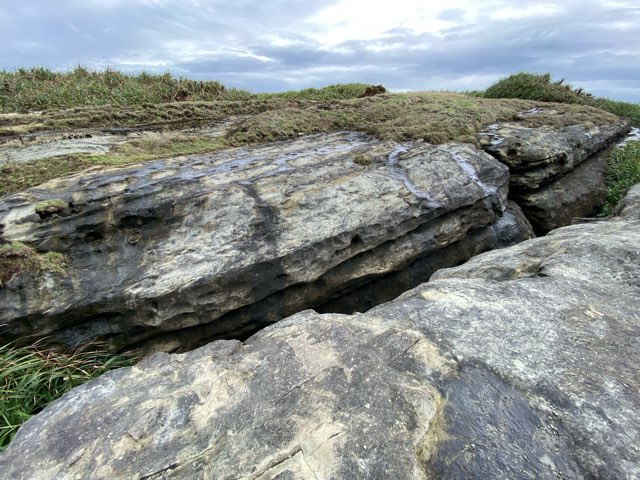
x: 540, y: 87
x: 31, y: 378
x: 17, y: 258
x: 37, y: 89
x: 624, y: 172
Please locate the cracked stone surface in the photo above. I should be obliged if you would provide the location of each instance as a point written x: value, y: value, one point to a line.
x: 171, y: 253
x: 521, y: 363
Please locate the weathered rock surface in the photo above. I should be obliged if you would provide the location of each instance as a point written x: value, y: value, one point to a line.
x: 41, y: 145
x: 578, y: 193
x: 511, y: 228
x: 556, y: 173
x: 630, y: 204
x: 173, y: 252
x: 522, y: 363
x: 538, y: 155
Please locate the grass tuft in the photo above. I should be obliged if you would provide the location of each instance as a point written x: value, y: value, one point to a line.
x: 31, y: 378
x: 17, y: 258
x: 624, y: 172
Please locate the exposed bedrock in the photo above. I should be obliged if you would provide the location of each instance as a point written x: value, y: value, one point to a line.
x: 557, y: 173
x: 521, y: 363
x: 578, y: 193
x: 170, y: 253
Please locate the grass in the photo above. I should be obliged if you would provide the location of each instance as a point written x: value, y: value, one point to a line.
x: 540, y: 87
x: 35, y: 89
x: 17, y: 258
x: 624, y: 172
x: 38, y: 88
x: 31, y: 378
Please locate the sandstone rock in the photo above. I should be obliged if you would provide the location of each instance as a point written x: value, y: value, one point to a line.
x: 511, y: 228
x: 578, y: 193
x: 556, y: 172
x: 630, y: 204
x: 173, y: 252
x: 537, y: 156
x: 522, y: 363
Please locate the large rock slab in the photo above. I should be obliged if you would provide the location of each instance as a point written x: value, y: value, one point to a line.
x: 578, y: 193
x: 522, y: 363
x: 538, y: 155
x: 557, y: 171
x: 170, y: 253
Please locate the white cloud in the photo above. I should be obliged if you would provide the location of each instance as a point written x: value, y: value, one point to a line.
x: 519, y: 13
x: 283, y: 44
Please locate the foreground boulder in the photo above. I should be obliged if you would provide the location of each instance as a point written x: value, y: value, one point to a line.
x: 557, y: 172
x: 522, y: 363
x: 170, y: 253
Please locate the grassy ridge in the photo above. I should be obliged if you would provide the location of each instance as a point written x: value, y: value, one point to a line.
x: 37, y: 89
x: 433, y: 117
x: 25, y: 90
x: 531, y: 86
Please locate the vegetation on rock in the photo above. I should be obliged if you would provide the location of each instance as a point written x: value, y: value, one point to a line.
x: 50, y: 207
x: 624, y: 172
x: 31, y: 378
x: 17, y: 258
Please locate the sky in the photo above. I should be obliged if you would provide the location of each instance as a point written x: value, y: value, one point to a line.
x: 276, y: 45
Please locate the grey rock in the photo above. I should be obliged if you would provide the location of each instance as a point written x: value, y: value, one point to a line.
x: 630, y: 204
x: 521, y: 363
x: 359, y: 296
x: 173, y: 252
x: 292, y: 402
x: 578, y: 193
x: 538, y: 155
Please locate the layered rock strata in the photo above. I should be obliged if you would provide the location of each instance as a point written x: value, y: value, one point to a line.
x: 170, y: 253
x: 556, y: 172
x: 521, y: 363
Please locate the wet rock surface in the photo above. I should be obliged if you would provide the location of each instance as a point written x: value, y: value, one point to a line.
x: 521, y: 363
x: 171, y: 253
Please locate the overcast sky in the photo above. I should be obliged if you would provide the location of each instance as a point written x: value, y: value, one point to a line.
x: 274, y: 45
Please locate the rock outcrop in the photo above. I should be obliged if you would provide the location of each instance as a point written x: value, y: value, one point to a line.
x: 171, y: 253
x: 556, y: 172
x: 521, y: 363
